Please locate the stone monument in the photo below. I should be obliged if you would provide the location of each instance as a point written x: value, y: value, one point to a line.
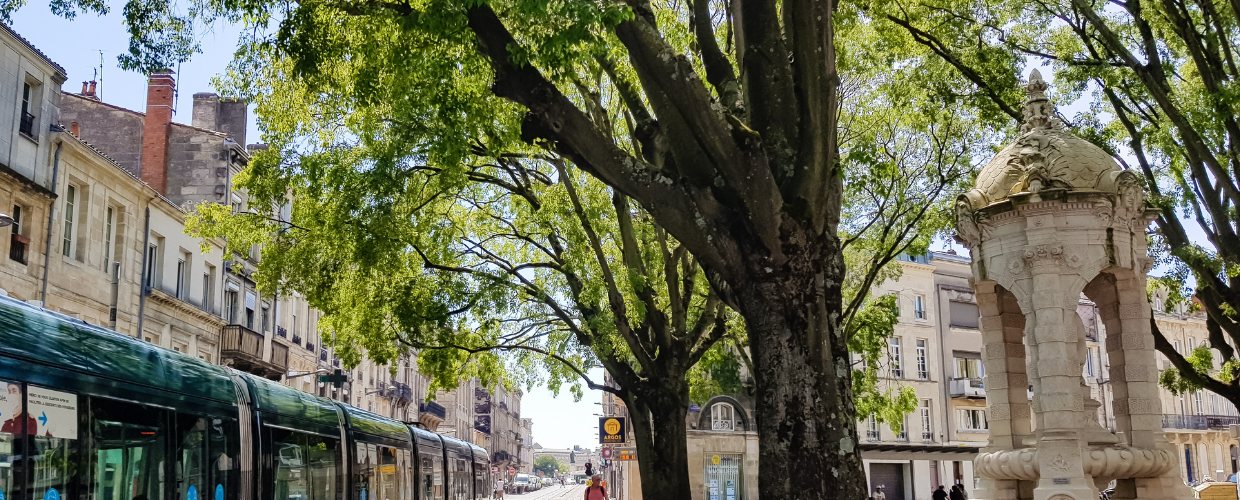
x: 1051, y: 217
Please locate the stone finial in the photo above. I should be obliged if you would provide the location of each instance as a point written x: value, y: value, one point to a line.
x: 1038, y: 111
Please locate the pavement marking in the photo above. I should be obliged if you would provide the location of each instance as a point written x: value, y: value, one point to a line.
x: 554, y: 492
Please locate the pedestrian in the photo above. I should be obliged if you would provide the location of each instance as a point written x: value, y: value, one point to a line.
x: 596, y: 491
x: 499, y: 489
x: 957, y: 493
x: 878, y: 493
x: 939, y: 494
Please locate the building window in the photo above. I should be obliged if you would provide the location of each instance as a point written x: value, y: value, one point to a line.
x: 236, y: 204
x: 152, y: 265
x: 897, y: 368
x: 70, y: 201
x: 17, y: 242
x: 919, y: 307
x: 722, y: 418
x: 902, y: 436
x: 108, y: 224
x: 296, y: 336
x: 230, y: 307
x: 182, y: 277
x: 969, y: 365
x: 871, y: 429
x: 973, y: 420
x: 249, y: 310
x: 1201, y: 409
x: 208, y: 282
x: 30, y: 94
x: 963, y: 315
x: 927, y: 425
x: 923, y: 361
x: 1089, y: 362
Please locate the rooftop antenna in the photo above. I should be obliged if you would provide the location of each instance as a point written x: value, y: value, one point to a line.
x: 176, y: 90
x: 99, y: 86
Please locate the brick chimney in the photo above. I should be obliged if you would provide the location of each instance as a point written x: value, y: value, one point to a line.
x: 75, y: 129
x: 159, y: 97
x: 88, y: 90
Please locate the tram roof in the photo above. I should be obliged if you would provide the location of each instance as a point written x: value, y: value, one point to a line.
x: 426, y: 438
x: 376, y: 425
x: 274, y: 397
x: 44, y: 337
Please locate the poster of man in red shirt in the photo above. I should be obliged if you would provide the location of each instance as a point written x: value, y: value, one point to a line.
x: 11, y: 411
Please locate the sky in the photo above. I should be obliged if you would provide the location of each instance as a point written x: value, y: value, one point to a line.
x: 558, y: 421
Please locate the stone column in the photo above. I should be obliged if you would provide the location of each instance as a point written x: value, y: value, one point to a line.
x: 1007, y: 384
x: 1121, y: 297
x: 1056, y: 373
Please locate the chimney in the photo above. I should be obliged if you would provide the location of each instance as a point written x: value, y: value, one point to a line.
x: 159, y: 97
x: 88, y: 90
x: 75, y: 129
x: 206, y: 110
x: 232, y: 119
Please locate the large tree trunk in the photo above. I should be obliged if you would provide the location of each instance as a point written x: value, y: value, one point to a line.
x: 807, y: 429
x: 662, y: 441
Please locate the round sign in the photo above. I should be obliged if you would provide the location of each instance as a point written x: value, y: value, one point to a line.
x: 494, y: 470
x: 612, y: 426
x: 219, y: 492
x: 606, y: 452
x: 512, y: 470
x: 191, y: 494
x: 51, y: 494
x: 714, y: 459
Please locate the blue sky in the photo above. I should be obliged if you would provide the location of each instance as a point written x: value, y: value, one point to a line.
x: 76, y: 45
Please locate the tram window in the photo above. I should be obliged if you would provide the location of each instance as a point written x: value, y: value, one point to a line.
x: 438, y: 488
x: 365, y: 471
x: 12, y: 427
x: 223, y: 448
x: 403, y: 470
x: 305, y: 466
x: 129, y: 444
x: 191, y: 472
x: 389, y: 485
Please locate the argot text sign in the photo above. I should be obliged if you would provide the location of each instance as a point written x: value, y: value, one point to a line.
x: 611, y: 430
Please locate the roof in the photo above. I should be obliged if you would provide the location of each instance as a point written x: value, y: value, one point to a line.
x: 1045, y: 157
x: 34, y: 49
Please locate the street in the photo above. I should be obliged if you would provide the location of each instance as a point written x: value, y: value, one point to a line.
x: 555, y: 492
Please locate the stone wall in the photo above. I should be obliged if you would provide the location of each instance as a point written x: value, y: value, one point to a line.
x: 116, y: 131
x: 198, y: 166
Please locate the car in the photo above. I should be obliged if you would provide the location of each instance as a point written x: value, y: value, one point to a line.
x: 522, y: 484
x: 548, y: 481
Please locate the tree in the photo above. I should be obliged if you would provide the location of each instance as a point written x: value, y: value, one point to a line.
x: 1160, y: 78
x: 715, y: 127
x: 549, y: 465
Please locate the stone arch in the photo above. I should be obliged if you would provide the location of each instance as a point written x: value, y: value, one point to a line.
x: 738, y: 412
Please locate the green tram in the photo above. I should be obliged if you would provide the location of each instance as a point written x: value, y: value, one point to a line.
x: 90, y: 414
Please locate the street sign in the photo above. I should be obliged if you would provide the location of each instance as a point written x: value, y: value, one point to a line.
x: 606, y: 453
x: 494, y: 470
x: 512, y: 470
x: 611, y: 430
x: 336, y: 379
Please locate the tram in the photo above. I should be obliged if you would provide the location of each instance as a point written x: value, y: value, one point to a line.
x: 87, y: 413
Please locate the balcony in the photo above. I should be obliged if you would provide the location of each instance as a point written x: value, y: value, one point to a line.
x: 1200, y: 422
x: 1190, y: 422
x: 27, y: 124
x: 17, y: 248
x: 872, y: 435
x: 281, y: 332
x: 927, y: 437
x: 967, y: 388
x: 242, y: 348
x: 296, y: 338
x: 401, y: 393
x: 434, y: 409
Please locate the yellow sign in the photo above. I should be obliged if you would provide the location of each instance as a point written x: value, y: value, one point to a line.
x: 611, y: 430
x: 714, y: 459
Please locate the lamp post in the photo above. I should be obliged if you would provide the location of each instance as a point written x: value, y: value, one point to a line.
x: 7, y: 220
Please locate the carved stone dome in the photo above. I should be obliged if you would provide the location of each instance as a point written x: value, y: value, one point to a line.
x: 1044, y: 158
